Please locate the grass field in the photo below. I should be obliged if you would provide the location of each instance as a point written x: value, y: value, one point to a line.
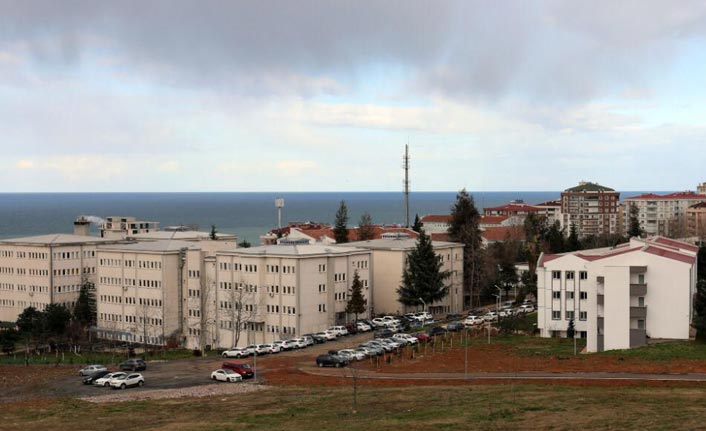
x: 108, y: 358
x: 519, y: 406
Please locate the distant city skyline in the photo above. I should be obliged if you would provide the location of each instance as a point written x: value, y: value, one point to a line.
x: 323, y: 96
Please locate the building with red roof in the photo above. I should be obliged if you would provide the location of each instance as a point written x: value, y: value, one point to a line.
x: 667, y: 214
x: 619, y: 297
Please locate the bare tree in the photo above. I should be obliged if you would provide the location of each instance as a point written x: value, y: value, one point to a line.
x: 241, y: 309
x: 148, y: 321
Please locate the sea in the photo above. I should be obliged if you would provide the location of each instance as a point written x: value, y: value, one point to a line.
x: 247, y: 215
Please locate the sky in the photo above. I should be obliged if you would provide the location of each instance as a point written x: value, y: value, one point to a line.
x: 313, y: 95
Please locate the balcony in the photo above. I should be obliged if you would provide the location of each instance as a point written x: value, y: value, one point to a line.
x: 600, y: 279
x: 638, y: 337
x: 638, y: 312
x: 600, y: 299
x: 638, y: 289
x: 638, y: 269
x: 600, y: 347
x: 600, y: 323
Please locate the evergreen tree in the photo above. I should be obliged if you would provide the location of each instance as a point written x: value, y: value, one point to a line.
x: 340, y: 229
x: 535, y: 231
x: 244, y: 244
x: 8, y: 339
x: 365, y: 227
x: 356, y: 302
x: 634, y: 229
x: 417, y: 226
x: 464, y: 228
x: 422, y: 279
x: 699, y: 322
x: 573, y: 243
x: 571, y: 330
x: 31, y: 322
x: 555, y: 238
x: 85, y: 308
x: 213, y: 235
x: 701, y: 263
x: 57, y: 317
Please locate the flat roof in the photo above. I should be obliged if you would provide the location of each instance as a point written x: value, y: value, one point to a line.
x: 180, y: 235
x: 58, y: 239
x: 152, y: 246
x: 294, y: 250
x: 398, y: 244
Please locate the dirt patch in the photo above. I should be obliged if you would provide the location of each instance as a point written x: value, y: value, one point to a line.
x: 189, y: 392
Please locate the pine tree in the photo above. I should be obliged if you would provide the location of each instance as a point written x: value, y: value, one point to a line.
x: 699, y: 322
x: 365, y: 227
x: 571, y: 330
x: 634, y: 229
x: 357, y: 304
x: 85, y: 308
x: 417, y: 226
x: 464, y: 228
x: 340, y: 229
x: 422, y: 279
x: 573, y: 243
x: 213, y: 232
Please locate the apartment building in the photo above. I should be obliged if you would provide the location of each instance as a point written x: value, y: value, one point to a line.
x: 664, y: 215
x: 592, y: 208
x: 435, y: 223
x: 285, y: 290
x: 619, y: 297
x: 120, y: 227
x: 47, y: 269
x: 389, y: 257
x: 696, y: 221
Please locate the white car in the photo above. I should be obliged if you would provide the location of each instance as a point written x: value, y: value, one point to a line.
x: 330, y: 335
x: 411, y: 339
x: 285, y: 345
x: 491, y: 316
x: 91, y: 369
x: 105, y: 380
x: 237, y: 352
x: 339, y: 330
x: 379, y: 322
x: 424, y: 316
x: 526, y: 308
x: 126, y: 381
x: 352, y: 354
x: 391, y: 319
x: 298, y: 343
x: 226, y: 376
x: 505, y: 313
x: 263, y: 349
x: 272, y: 348
x: 363, y: 327
x: 473, y: 321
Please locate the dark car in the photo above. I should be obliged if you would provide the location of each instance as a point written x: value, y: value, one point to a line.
x: 437, y: 330
x: 384, y: 333
x: 352, y: 328
x: 241, y: 368
x: 318, y: 339
x: 90, y: 379
x: 329, y: 360
x: 422, y: 336
x: 454, y: 316
x: 133, y: 364
x: 455, y: 326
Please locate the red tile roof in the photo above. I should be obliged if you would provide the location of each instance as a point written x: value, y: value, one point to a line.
x: 492, y: 219
x: 676, y: 244
x: 671, y: 196
x: 440, y: 236
x: 699, y: 205
x: 513, y: 207
x: 436, y: 218
x: 592, y: 257
x: 671, y: 254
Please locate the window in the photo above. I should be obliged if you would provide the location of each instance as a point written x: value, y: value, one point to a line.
x: 556, y: 295
x: 556, y: 275
x: 641, y: 278
x: 569, y: 315
x: 583, y: 315
x: 556, y: 315
x: 641, y: 324
x: 583, y: 275
x: 569, y: 295
x: 570, y: 275
x: 641, y: 301
x: 583, y: 295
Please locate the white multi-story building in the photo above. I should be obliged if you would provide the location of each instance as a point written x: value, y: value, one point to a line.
x: 47, y: 269
x: 120, y: 227
x: 285, y: 290
x: 389, y: 257
x: 620, y: 296
x: 663, y: 214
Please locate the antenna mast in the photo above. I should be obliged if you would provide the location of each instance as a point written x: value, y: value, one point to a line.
x: 405, y: 165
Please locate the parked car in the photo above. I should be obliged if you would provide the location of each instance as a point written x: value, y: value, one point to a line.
x: 364, y: 351
x: 222, y: 375
x: 437, y: 330
x: 372, y: 350
x: 318, y: 339
x: 88, y: 380
x: 473, y: 321
x: 328, y: 360
x: 491, y: 316
x: 263, y: 349
x: 380, y: 344
x: 308, y: 340
x: 274, y: 348
x: 526, y: 308
x: 504, y: 313
x: 133, y: 364
x: 237, y: 352
x: 91, y: 369
x: 105, y: 380
x: 454, y: 316
x: 378, y: 322
x: 422, y: 336
x: 391, y: 342
x: 298, y: 343
x: 352, y: 328
x: 424, y: 316
x: 339, y: 330
x: 285, y: 345
x: 245, y: 370
x: 127, y: 381
x: 455, y: 326
x: 409, y: 338
x: 363, y: 327
x: 384, y: 333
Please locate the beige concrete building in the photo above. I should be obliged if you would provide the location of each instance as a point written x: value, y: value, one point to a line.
x: 46, y: 269
x: 120, y: 227
x: 388, y: 261
x: 664, y: 214
x: 285, y: 290
x: 592, y: 208
x: 696, y: 221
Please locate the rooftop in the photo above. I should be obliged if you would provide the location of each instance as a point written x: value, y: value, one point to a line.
x: 398, y: 244
x: 152, y: 246
x: 585, y: 186
x: 180, y: 235
x: 294, y: 250
x: 671, y: 196
x: 58, y: 239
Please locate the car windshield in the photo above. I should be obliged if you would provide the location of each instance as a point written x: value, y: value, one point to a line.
x: 121, y: 377
x: 245, y: 366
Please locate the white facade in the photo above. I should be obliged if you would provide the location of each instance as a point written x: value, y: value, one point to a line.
x: 46, y: 269
x: 618, y: 297
x: 286, y: 290
x: 389, y: 258
x: 663, y: 214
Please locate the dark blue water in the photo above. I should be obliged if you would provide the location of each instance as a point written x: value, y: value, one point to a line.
x: 246, y: 214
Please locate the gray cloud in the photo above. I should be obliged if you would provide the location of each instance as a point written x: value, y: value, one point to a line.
x: 556, y: 50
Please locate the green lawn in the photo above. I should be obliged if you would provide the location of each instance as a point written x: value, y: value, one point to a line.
x: 510, y: 406
x: 18, y: 358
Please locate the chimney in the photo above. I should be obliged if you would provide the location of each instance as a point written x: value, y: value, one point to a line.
x: 82, y: 226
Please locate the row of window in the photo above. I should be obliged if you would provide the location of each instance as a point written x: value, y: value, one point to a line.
x: 339, y: 277
x: 194, y: 273
x: 569, y: 295
x: 556, y: 275
x: 361, y: 264
x: 286, y: 269
x: 556, y: 315
x: 71, y: 288
x: 112, y: 317
x: 116, y: 281
x: 143, y: 264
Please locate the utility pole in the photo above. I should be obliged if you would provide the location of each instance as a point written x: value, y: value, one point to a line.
x: 405, y: 165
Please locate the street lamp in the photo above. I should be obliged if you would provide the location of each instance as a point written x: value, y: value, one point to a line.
x: 500, y: 291
x: 424, y: 304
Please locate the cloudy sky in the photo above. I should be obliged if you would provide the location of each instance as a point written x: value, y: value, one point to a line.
x: 320, y: 95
